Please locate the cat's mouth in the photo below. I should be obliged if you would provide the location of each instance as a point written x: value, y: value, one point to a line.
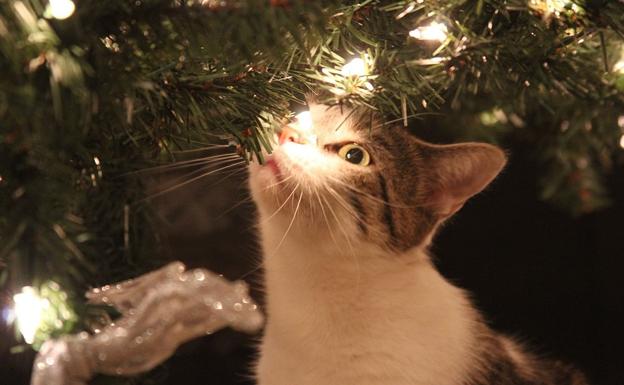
x: 272, y: 165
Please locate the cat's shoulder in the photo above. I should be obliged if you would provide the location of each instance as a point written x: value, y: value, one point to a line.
x: 505, y: 361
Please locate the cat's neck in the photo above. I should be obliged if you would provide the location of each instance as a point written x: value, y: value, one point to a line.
x: 310, y: 275
x: 329, y: 304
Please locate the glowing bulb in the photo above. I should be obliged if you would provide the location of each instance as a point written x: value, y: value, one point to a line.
x: 61, y: 9
x: 305, y: 127
x: 622, y: 141
x: 432, y: 32
x: 304, y: 121
x: 356, y: 67
x: 28, y: 311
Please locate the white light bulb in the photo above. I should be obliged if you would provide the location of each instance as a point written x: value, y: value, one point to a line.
x: 61, y: 9
x: 356, y: 67
x: 304, y: 121
x: 432, y: 32
x: 28, y: 310
x: 305, y: 126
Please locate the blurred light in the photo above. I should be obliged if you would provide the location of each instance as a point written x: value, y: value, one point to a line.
x: 622, y: 141
x: 356, y: 67
x: 432, y: 32
x: 61, y: 9
x: 28, y: 311
x: 8, y: 315
x: 305, y: 126
x: 304, y: 121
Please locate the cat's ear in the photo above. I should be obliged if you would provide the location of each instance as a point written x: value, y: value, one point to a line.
x: 459, y: 171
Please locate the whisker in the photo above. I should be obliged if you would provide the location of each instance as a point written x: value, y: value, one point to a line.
x: 199, y: 170
x: 333, y: 212
x: 349, y: 209
x: 264, y: 221
x: 335, y: 194
x: 366, y: 195
x: 186, y: 163
x: 250, y: 198
x: 329, y: 227
x: 290, y: 224
x: 191, y: 181
x: 203, y: 148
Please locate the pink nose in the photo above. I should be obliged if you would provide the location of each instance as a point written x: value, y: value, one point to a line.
x: 288, y: 134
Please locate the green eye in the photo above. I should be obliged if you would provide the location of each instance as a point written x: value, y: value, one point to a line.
x: 354, y: 153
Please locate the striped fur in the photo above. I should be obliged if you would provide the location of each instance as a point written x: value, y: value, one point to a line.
x: 352, y: 297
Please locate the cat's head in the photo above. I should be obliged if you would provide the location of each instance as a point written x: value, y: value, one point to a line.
x: 349, y: 179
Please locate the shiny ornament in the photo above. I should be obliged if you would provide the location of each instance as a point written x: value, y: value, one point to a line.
x: 160, y: 310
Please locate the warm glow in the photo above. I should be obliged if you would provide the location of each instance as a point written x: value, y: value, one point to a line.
x: 305, y: 126
x: 622, y: 141
x: 304, y: 121
x: 619, y: 67
x: 432, y: 32
x: 356, y: 67
x: 61, y: 9
x: 28, y: 310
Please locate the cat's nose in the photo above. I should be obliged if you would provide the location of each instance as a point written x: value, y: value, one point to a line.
x: 289, y: 134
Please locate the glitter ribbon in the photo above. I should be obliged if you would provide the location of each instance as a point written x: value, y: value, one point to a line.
x: 160, y: 311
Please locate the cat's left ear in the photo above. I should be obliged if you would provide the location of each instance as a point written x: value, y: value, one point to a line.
x: 459, y: 171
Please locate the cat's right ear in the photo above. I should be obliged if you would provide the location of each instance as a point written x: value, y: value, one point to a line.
x: 457, y: 172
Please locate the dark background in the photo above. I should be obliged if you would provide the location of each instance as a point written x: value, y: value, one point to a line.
x: 537, y: 273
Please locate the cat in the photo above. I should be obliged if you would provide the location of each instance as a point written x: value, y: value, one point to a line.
x: 347, y: 210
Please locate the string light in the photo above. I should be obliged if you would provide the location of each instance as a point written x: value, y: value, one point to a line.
x: 432, y: 32
x: 28, y: 310
x: 304, y: 121
x: 305, y: 126
x: 61, y: 9
x: 352, y: 78
x: 356, y: 67
x: 620, y: 123
x: 619, y: 65
x: 40, y: 313
x: 556, y: 7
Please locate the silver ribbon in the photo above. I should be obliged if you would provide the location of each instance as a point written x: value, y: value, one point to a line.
x: 160, y: 311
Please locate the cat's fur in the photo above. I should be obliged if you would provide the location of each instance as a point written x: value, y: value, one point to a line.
x: 352, y: 296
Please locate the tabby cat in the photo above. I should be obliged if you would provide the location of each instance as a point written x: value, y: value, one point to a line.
x: 347, y: 212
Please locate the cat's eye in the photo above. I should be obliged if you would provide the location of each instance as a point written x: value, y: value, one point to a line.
x: 354, y: 153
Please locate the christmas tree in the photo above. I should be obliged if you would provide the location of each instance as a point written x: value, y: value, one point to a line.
x: 94, y: 94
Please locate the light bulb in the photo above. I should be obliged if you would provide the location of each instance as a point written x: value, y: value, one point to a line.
x: 356, y: 67
x: 61, y: 9
x: 304, y: 121
x: 622, y: 141
x: 432, y: 32
x: 28, y: 311
x: 305, y: 126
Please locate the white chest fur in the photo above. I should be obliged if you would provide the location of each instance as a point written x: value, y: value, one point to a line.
x: 361, y: 319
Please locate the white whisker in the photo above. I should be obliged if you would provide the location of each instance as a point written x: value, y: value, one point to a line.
x: 292, y: 221
x: 192, y: 180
